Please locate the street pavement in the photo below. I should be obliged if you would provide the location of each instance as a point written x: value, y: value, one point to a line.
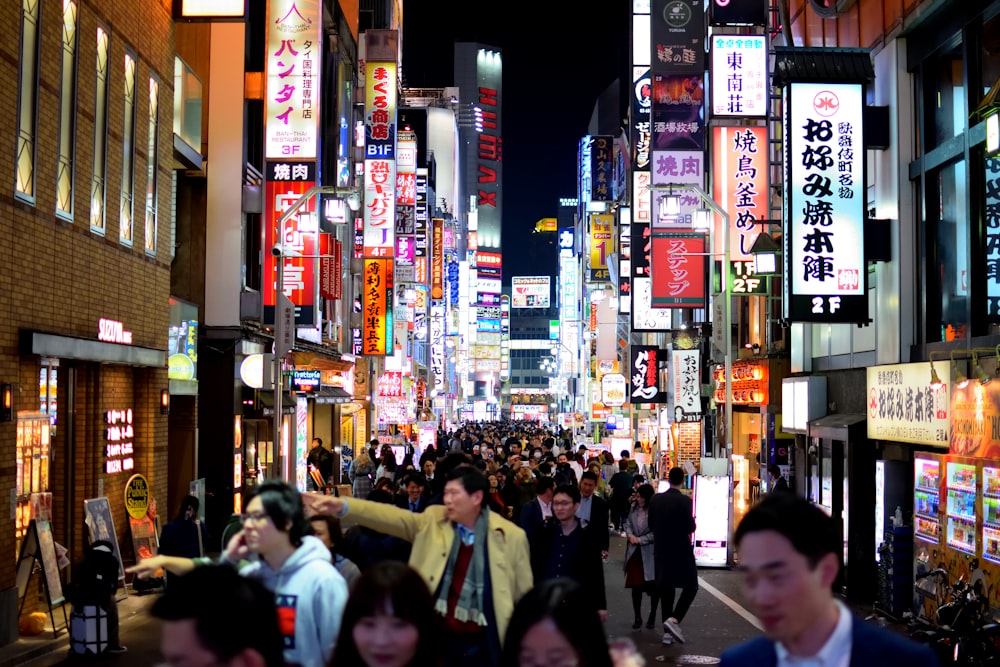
x: 715, y: 621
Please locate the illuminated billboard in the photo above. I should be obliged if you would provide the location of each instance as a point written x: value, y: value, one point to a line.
x: 284, y: 185
x: 739, y: 163
x: 291, y: 99
x: 529, y: 291
x: 739, y: 75
x: 376, y: 307
x: 602, y: 245
x: 824, y: 259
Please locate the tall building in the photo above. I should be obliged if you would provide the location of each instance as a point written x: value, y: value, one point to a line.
x: 84, y: 272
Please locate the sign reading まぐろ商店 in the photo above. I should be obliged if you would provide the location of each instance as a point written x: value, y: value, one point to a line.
x: 824, y: 259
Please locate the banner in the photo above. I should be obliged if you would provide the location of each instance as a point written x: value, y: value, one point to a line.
x: 740, y: 186
x: 291, y: 98
x: 643, y: 375
x: 904, y: 407
x: 678, y: 270
x: 685, y: 374
x: 602, y: 168
x: 376, y: 307
x: 284, y: 185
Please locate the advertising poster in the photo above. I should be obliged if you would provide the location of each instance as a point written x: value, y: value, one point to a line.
x: 530, y: 291
x: 685, y: 374
x: 602, y: 245
x: 740, y: 85
x: 643, y: 373
x: 602, y: 168
x: 904, y: 407
x: 678, y: 112
x: 285, y: 185
x: 711, y: 512
x: 101, y: 526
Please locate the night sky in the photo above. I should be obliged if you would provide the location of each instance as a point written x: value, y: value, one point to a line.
x: 557, y: 58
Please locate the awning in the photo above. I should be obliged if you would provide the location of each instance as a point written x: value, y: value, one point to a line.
x: 266, y: 402
x: 85, y: 349
x: 829, y: 65
x: 845, y: 427
x: 331, y: 396
x: 323, y: 362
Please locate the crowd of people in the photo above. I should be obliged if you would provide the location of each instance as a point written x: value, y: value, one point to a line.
x: 489, y: 550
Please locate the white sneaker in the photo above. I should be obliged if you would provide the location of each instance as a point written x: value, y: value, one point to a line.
x: 667, y: 639
x: 673, y: 627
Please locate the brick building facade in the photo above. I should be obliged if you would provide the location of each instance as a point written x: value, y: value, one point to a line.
x: 83, y: 242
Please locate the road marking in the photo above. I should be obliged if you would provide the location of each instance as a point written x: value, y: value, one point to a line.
x: 731, y: 603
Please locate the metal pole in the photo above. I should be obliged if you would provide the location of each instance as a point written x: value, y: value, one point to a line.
x: 278, y: 459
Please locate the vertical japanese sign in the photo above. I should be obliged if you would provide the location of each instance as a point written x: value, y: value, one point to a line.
x: 437, y: 258
x: 642, y: 95
x: 489, y: 147
x: 284, y: 185
x: 678, y: 270
x: 675, y: 167
x: 420, y: 222
x: 602, y: 245
x: 625, y: 261
x: 992, y: 215
x: 824, y: 272
x: 376, y: 307
x: 380, y: 159
x: 643, y: 375
x: 437, y: 345
x: 294, y: 41
x: 685, y: 374
x: 677, y: 30
x: 739, y: 163
x: 602, y: 168
x: 739, y: 75
x: 330, y: 266
x: 406, y: 200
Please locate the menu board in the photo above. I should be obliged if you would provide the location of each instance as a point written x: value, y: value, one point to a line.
x: 961, y: 507
x: 991, y: 514
x: 926, y: 499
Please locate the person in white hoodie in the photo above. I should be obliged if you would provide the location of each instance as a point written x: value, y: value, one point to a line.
x: 272, y: 548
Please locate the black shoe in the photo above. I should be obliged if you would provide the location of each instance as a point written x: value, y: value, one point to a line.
x: 637, y: 624
x: 115, y: 649
x: 651, y: 623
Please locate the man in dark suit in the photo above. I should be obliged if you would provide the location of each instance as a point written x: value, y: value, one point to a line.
x: 778, y: 482
x: 671, y: 516
x: 565, y: 547
x: 534, y: 513
x: 415, y: 500
x: 593, y: 510
x: 789, y: 559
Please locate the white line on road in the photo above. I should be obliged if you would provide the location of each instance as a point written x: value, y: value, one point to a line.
x: 731, y: 603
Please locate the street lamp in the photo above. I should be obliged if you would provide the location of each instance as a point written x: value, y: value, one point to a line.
x: 284, y: 338
x: 727, y: 333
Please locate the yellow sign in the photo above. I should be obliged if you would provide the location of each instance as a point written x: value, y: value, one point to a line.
x: 137, y: 496
x: 602, y: 245
x: 546, y: 225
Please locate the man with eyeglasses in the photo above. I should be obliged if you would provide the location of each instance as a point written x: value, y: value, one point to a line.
x: 273, y: 548
x: 564, y: 547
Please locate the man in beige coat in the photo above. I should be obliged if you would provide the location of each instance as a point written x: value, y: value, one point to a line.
x: 476, y: 563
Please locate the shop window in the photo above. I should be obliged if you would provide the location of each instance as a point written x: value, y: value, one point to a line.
x: 947, y: 215
x: 126, y: 226
x: 27, y: 102
x: 97, y: 194
x: 31, y: 482
x: 152, y: 163
x: 944, y: 97
x: 67, y: 115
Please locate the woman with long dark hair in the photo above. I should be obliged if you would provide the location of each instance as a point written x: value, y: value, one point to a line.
x: 640, y: 570
x: 389, y: 621
x: 555, y: 624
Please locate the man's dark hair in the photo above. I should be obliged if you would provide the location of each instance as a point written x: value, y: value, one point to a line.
x: 676, y: 476
x: 645, y: 492
x: 623, y: 464
x: 774, y: 469
x: 231, y: 613
x: 588, y: 474
x: 623, y: 454
x: 318, y: 441
x: 571, y: 490
x: 472, y: 480
x: 283, y: 505
x: 544, y: 484
x: 189, y: 501
x: 811, y: 532
x: 417, y: 478
x: 544, y: 469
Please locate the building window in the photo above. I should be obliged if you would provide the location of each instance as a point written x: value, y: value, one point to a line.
x: 152, y: 163
x: 97, y: 194
x: 67, y: 117
x: 27, y: 102
x: 948, y: 189
x: 126, y: 226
